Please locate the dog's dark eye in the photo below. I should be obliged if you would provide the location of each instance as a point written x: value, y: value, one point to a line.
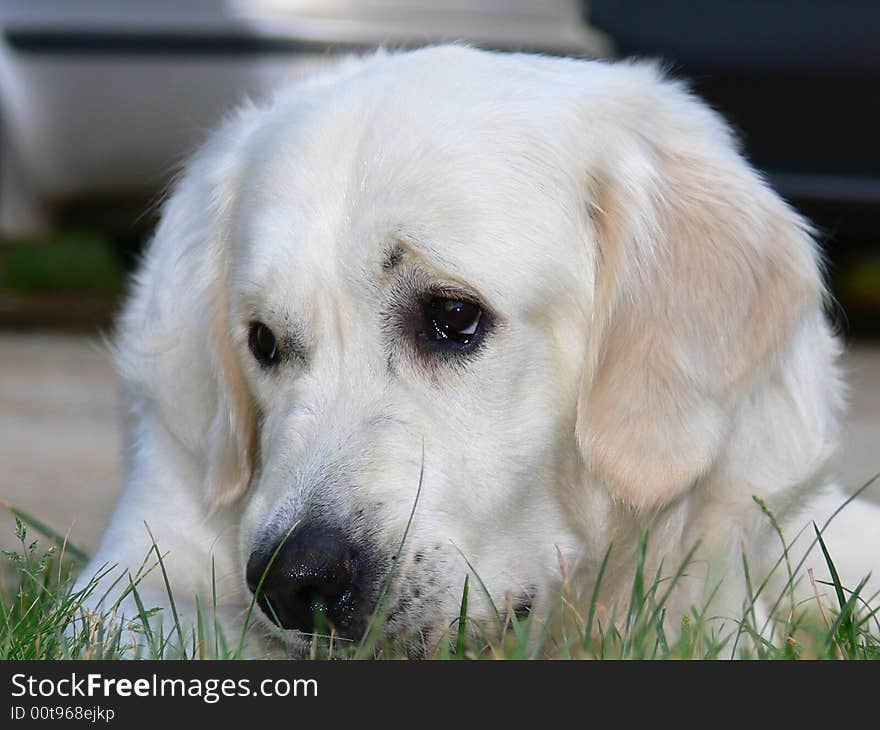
x: 452, y: 321
x: 262, y: 344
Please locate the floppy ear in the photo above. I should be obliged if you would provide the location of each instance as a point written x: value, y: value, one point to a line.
x: 702, y: 275
x: 232, y: 438
x: 174, y: 349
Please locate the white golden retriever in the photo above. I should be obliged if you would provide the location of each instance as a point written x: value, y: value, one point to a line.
x: 547, y: 296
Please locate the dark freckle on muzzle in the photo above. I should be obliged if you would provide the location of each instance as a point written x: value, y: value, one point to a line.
x: 315, y: 571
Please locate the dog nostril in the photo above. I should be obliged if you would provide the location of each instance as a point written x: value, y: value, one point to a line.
x: 312, y: 572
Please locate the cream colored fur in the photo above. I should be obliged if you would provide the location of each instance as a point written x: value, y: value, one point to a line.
x: 661, y: 353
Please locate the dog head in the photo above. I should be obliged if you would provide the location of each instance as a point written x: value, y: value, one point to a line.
x: 451, y: 311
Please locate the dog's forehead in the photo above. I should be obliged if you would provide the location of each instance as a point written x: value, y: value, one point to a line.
x: 473, y: 176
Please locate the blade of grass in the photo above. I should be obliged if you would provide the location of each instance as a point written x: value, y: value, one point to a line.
x: 144, y: 616
x: 498, y: 619
x: 168, y: 590
x: 247, y: 618
x: 594, y: 598
x: 462, y: 622
x: 844, y: 623
x: 638, y: 592
x: 214, y: 608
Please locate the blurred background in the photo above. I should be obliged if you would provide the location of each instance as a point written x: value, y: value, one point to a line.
x: 101, y: 100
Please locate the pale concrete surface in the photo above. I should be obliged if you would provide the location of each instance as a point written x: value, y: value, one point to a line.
x: 859, y: 456
x: 60, y: 440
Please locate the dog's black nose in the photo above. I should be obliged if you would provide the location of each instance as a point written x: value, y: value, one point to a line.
x: 313, y: 572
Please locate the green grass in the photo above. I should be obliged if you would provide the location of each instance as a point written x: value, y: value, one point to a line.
x: 38, y: 607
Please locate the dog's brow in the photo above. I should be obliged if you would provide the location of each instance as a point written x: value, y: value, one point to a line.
x: 393, y: 256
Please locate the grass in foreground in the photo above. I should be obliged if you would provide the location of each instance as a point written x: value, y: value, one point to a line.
x: 38, y: 606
